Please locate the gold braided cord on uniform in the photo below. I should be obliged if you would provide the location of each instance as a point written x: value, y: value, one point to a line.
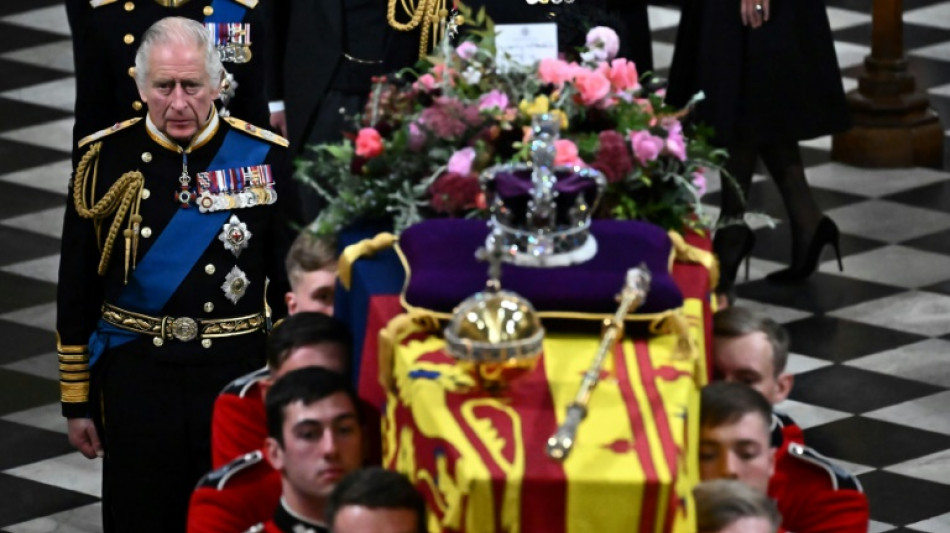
x: 427, y: 12
x: 124, y: 195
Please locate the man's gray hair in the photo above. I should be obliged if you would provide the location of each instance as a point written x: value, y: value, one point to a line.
x: 721, y: 502
x: 178, y: 30
x: 737, y: 321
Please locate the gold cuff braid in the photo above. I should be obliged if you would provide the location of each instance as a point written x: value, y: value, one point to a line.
x: 73, y: 373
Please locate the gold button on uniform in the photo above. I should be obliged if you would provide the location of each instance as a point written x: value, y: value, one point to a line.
x: 209, y: 269
x: 208, y: 307
x: 136, y: 105
x: 131, y: 72
x: 129, y: 6
x: 128, y: 39
x: 146, y: 157
x: 206, y: 343
x: 208, y: 11
x: 146, y: 193
x: 158, y: 341
x: 146, y: 232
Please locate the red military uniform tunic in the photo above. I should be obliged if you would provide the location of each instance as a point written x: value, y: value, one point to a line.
x: 236, y: 496
x: 816, y: 496
x: 239, y: 422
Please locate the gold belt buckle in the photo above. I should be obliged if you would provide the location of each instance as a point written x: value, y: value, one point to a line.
x: 184, y: 329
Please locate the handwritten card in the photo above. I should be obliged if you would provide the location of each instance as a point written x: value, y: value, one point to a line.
x: 524, y: 44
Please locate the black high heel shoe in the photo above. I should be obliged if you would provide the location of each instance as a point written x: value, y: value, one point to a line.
x: 731, y: 244
x: 805, y: 265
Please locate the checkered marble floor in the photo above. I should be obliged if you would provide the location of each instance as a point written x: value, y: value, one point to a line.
x: 871, y: 345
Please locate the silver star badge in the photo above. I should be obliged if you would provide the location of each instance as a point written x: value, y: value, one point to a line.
x: 235, y: 236
x: 235, y: 285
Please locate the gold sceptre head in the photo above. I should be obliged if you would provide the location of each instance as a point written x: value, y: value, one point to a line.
x: 634, y: 292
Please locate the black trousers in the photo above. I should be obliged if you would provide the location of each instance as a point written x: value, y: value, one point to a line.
x: 154, y: 419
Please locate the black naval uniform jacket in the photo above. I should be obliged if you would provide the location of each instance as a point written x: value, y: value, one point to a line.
x: 105, y: 57
x: 203, y: 263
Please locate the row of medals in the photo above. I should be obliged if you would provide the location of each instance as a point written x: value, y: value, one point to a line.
x: 208, y: 201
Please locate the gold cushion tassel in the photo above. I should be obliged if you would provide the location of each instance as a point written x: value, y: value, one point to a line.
x: 124, y: 195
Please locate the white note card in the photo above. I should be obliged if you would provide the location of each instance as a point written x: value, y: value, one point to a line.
x: 524, y: 44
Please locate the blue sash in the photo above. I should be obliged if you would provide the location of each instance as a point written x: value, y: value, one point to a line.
x: 226, y: 11
x: 176, y: 249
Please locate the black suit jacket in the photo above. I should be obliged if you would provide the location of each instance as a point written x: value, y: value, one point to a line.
x: 309, y: 46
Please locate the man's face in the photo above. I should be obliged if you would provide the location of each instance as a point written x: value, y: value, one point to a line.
x: 737, y: 450
x: 322, y: 443
x: 748, y: 359
x: 178, y: 91
x: 359, y: 519
x: 326, y: 354
x: 313, y: 292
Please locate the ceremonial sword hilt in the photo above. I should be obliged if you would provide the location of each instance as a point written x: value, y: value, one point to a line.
x: 636, y: 286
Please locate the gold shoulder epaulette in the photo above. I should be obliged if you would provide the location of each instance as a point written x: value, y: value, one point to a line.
x: 261, y: 133
x: 100, y: 3
x: 108, y: 131
x: 250, y: 4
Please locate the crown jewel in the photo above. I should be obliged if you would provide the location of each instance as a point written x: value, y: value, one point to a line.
x: 541, y: 212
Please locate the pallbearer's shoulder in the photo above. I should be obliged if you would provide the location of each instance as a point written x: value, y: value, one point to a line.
x: 254, y: 131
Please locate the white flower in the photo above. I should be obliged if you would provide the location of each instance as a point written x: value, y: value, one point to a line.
x: 603, y: 43
x: 471, y: 76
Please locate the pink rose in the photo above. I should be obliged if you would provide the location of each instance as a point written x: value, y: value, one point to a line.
x: 675, y: 143
x: 461, y: 161
x: 592, y: 86
x: 555, y: 71
x: 566, y: 153
x: 623, y: 75
x: 494, y: 99
x: 603, y: 43
x: 645, y: 146
x: 466, y: 50
x: 426, y: 81
x: 369, y: 143
x: 699, y: 181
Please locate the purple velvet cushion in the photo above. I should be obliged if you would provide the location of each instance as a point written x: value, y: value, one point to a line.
x: 443, y: 270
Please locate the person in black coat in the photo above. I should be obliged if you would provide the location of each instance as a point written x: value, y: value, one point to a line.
x: 173, y: 225
x: 770, y: 76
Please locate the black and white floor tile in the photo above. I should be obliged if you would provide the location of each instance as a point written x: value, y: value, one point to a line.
x: 871, y: 345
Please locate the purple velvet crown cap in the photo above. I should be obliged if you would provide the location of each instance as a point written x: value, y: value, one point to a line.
x: 443, y: 269
x: 513, y: 187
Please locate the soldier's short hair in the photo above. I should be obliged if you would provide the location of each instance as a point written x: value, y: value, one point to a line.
x: 309, y: 253
x: 307, y: 385
x: 725, y: 402
x: 739, y: 321
x: 178, y: 30
x: 376, y: 488
x: 722, y: 502
x: 303, y: 329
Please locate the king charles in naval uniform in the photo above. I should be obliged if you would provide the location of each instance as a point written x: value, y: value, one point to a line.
x: 173, y: 222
